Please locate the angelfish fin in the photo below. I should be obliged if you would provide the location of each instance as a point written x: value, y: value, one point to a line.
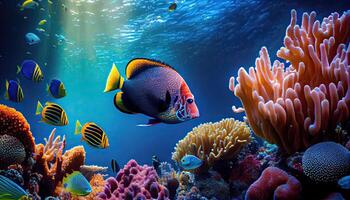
x: 138, y: 65
x: 18, y: 69
x: 7, y: 90
x: 118, y: 102
x: 114, y: 81
x: 164, y: 104
x: 39, y: 108
x: 151, y: 122
x: 78, y: 128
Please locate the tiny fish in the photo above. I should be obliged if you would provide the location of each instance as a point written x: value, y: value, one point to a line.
x: 42, y: 22
x: 31, y: 70
x: 41, y: 30
x: 10, y: 190
x: 115, y: 166
x: 172, y: 7
x: 154, y: 89
x: 344, y: 182
x: 31, y: 38
x: 14, y: 91
x: 77, y: 184
x: 56, y: 89
x: 29, y: 4
x: 92, y: 134
x: 52, y: 114
x: 190, y: 162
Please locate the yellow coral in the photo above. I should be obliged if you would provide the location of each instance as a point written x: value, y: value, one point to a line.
x: 213, y: 141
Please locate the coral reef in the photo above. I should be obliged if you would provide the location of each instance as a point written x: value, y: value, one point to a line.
x: 213, y: 141
x: 274, y: 183
x: 292, y: 107
x: 134, y: 182
x: 326, y: 162
x: 16, y: 140
x: 52, y: 164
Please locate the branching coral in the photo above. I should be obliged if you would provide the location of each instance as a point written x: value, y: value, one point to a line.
x: 16, y: 141
x: 291, y: 107
x: 213, y: 141
x: 52, y: 164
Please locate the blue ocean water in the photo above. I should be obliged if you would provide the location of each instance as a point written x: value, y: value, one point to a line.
x: 205, y: 41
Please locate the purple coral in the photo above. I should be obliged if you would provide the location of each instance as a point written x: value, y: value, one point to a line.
x: 134, y: 182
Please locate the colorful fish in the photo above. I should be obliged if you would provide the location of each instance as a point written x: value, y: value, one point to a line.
x: 56, y: 89
x: 31, y: 70
x: 29, y: 4
x: 52, y: 114
x: 115, y: 166
x: 154, y: 89
x: 42, y: 22
x: 32, y: 38
x: 92, y: 134
x: 190, y: 162
x: 344, y: 182
x: 172, y: 7
x: 77, y: 184
x: 9, y: 190
x: 14, y: 91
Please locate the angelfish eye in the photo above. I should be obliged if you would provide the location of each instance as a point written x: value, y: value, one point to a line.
x: 189, y: 101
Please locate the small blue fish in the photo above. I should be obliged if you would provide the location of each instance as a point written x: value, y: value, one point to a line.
x: 31, y: 70
x: 31, y: 38
x: 77, y: 184
x: 190, y: 162
x: 56, y: 89
x: 10, y: 190
x: 14, y: 91
x: 344, y: 182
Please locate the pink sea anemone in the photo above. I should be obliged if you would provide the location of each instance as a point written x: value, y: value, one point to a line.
x: 292, y: 106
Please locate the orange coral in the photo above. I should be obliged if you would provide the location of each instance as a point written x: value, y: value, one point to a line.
x: 53, y: 164
x: 291, y: 107
x: 19, y: 145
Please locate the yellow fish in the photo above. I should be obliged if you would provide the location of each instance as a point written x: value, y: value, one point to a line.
x: 92, y: 134
x: 29, y: 4
x: 42, y: 22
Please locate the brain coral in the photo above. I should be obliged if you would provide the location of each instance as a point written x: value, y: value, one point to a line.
x: 326, y: 162
x: 213, y: 141
x: 292, y: 106
x: 16, y: 140
x: 134, y: 182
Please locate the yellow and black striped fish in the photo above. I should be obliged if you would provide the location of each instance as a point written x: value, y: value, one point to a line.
x: 31, y: 70
x: 92, y: 134
x: 115, y: 166
x: 14, y: 91
x: 52, y: 114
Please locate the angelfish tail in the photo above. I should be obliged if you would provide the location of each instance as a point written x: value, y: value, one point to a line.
x: 114, y: 81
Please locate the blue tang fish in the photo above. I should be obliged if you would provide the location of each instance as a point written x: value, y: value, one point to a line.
x: 31, y: 70
x: 31, y: 38
x: 76, y: 184
x: 154, y: 89
x: 56, y: 89
x: 190, y: 162
x: 344, y: 182
x: 10, y: 190
x: 14, y: 91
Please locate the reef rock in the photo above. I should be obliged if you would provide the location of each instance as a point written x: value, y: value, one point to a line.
x: 211, y: 185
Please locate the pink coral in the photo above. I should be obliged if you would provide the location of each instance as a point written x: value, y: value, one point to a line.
x: 291, y: 107
x: 134, y: 182
x: 247, y: 170
x: 274, y: 183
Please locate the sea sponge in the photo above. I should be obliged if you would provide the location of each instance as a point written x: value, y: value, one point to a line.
x: 326, y: 162
x: 73, y: 159
x: 134, y: 182
x: 274, y: 183
x: 213, y: 141
x: 16, y: 141
x: 292, y: 106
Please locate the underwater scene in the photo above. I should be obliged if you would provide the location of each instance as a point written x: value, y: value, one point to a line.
x: 174, y: 100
